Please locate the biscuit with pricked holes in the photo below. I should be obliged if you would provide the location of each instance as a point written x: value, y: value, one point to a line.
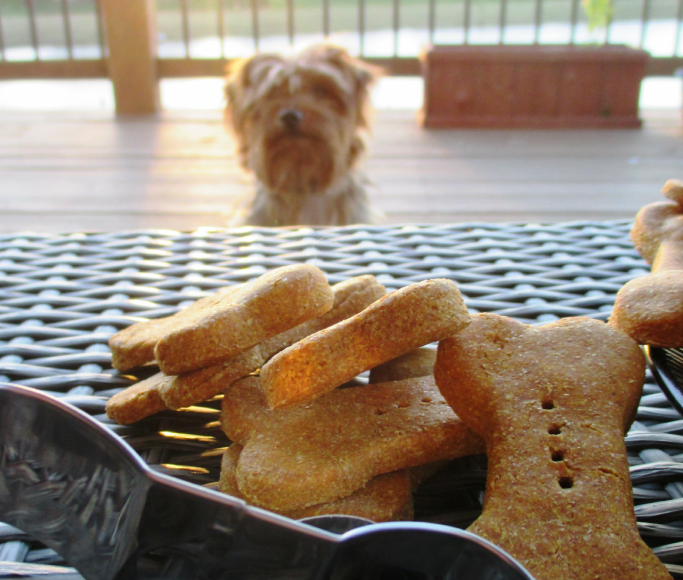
x: 650, y: 308
x: 553, y: 403
x: 330, y: 447
x: 136, y: 402
x: 402, y: 321
x: 134, y: 346
x: 275, y: 302
x: 417, y: 363
x: 384, y: 498
x: 350, y: 297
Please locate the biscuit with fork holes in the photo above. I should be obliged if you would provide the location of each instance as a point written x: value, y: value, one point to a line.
x: 553, y: 403
x: 329, y: 448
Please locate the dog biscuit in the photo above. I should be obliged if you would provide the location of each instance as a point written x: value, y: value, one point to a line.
x: 417, y: 363
x: 553, y: 404
x: 331, y: 447
x: 650, y: 308
x: 275, y: 302
x: 134, y: 346
x: 384, y: 498
x: 400, y: 322
x: 136, y: 402
x: 350, y: 297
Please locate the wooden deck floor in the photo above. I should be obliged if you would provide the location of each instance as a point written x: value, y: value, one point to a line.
x: 90, y: 172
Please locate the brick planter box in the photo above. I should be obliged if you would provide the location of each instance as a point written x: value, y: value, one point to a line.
x: 542, y: 86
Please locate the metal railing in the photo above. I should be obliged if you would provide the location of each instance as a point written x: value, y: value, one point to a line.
x: 68, y: 39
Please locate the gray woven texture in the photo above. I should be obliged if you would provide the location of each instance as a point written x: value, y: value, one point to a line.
x: 62, y: 296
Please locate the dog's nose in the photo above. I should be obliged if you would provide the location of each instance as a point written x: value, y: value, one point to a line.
x: 291, y: 118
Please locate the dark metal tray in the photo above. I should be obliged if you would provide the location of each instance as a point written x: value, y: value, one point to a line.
x: 62, y: 296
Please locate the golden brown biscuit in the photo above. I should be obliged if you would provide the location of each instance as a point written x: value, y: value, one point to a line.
x: 136, y: 402
x: 417, y: 363
x: 384, y: 498
x: 275, y: 302
x: 350, y: 297
x: 650, y: 308
x: 134, y: 346
x: 400, y: 322
x: 329, y: 448
x: 553, y: 404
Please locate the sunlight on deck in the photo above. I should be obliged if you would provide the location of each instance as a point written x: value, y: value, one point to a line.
x: 206, y: 94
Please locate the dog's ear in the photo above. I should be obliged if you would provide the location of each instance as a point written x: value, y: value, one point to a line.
x: 363, y: 74
x: 246, y: 79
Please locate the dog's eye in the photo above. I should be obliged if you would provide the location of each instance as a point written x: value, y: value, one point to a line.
x: 322, y: 92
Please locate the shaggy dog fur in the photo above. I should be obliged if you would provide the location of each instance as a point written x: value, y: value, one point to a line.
x: 299, y: 125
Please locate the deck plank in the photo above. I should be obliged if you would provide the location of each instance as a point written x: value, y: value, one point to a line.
x: 90, y: 172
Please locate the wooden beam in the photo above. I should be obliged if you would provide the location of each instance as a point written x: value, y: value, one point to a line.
x: 215, y: 67
x: 130, y: 30
x: 54, y: 69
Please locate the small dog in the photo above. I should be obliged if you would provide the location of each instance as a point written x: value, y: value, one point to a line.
x: 300, y: 126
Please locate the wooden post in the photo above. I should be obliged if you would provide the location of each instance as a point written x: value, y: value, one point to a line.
x: 130, y: 29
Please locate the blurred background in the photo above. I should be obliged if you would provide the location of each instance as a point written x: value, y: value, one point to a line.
x: 76, y: 155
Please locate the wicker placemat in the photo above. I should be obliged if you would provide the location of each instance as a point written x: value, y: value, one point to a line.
x: 63, y: 296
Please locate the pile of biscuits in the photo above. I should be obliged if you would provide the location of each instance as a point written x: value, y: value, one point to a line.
x: 549, y: 405
x: 302, y: 446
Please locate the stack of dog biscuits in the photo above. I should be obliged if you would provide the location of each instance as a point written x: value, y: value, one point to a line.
x: 250, y: 322
x: 306, y: 443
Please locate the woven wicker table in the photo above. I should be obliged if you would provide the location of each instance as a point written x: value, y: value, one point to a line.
x: 63, y: 296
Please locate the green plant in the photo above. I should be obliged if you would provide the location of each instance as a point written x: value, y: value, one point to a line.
x: 599, y: 13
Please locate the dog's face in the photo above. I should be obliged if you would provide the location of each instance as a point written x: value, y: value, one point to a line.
x: 299, y: 123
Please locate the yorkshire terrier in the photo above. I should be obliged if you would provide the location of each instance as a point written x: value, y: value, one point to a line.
x: 300, y: 127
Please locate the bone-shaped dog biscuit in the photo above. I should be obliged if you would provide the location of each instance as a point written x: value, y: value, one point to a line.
x: 331, y: 447
x: 650, y: 308
x: 400, y: 322
x: 134, y: 346
x: 278, y: 300
x: 553, y: 404
x: 384, y: 498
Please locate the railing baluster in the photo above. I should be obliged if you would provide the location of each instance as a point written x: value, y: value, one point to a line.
x: 100, y: 28
x: 361, y: 27
x: 185, y: 23
x: 679, y: 24
x: 575, y: 20
x: 326, y: 18
x: 644, y: 19
x: 290, y: 21
x: 466, y: 20
x: 2, y: 42
x: 67, y: 30
x: 432, y: 20
x: 221, y: 26
x: 502, y: 22
x: 32, y: 26
x: 537, y: 20
x: 255, y: 23
x: 397, y: 24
